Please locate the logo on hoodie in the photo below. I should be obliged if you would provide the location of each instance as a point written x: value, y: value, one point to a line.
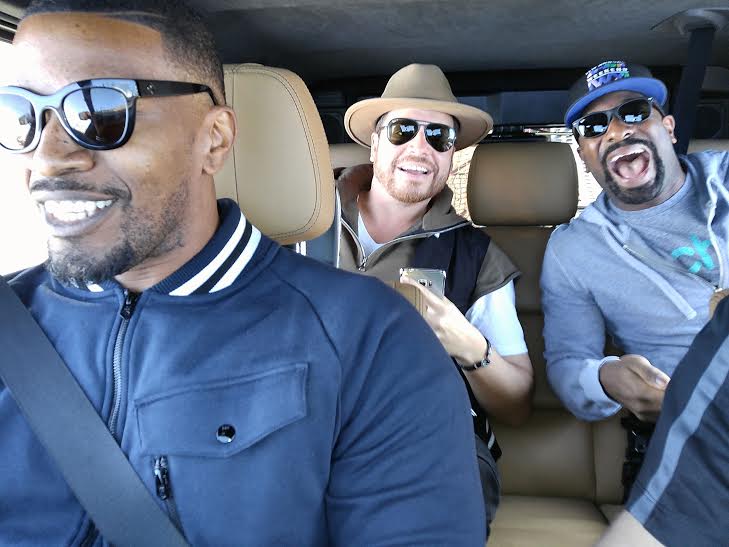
x: 699, y: 249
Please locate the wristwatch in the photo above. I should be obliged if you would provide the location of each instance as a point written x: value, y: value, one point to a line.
x: 479, y: 364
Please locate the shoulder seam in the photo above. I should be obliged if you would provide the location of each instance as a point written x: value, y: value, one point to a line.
x: 561, y: 267
x: 315, y: 311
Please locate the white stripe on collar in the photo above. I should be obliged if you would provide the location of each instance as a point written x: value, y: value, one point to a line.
x: 195, y: 282
x: 93, y: 287
x: 237, y: 267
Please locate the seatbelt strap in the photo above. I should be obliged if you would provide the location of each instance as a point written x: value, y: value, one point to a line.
x: 689, y: 88
x: 72, y: 432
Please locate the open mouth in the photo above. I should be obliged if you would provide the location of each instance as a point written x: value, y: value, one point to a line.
x: 72, y: 215
x: 413, y: 168
x: 630, y: 164
x: 67, y: 211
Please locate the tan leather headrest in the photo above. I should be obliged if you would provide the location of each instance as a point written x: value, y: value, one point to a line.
x: 279, y: 170
x: 348, y: 154
x: 522, y: 184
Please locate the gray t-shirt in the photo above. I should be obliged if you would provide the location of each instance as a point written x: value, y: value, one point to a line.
x: 674, y: 233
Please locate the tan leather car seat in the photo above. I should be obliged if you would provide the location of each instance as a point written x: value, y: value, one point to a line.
x: 348, y: 154
x: 556, y: 470
x: 279, y: 170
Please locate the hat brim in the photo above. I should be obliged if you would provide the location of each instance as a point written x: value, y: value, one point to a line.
x: 360, y: 118
x: 650, y: 87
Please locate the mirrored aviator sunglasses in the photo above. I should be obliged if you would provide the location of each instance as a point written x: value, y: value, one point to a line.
x: 439, y: 136
x: 634, y: 111
x: 97, y: 114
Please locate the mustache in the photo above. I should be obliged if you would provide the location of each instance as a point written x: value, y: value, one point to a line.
x: 627, y: 142
x: 55, y: 184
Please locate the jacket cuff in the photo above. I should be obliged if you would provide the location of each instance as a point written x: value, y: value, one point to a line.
x: 590, y: 383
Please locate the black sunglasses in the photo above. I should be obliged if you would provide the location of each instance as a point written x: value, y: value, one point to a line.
x: 630, y: 112
x: 440, y: 136
x: 97, y: 114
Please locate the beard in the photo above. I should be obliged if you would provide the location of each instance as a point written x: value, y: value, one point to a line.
x: 642, y: 194
x: 141, y: 238
x: 408, y: 192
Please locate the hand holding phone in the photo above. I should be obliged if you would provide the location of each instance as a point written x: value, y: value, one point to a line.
x: 434, y: 280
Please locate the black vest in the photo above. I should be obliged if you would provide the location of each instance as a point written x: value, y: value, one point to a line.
x: 460, y: 253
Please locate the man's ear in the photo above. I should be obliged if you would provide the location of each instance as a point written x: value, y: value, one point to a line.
x: 222, y: 129
x: 669, y: 122
x: 579, y: 153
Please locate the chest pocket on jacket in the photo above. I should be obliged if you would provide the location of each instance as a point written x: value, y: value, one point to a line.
x: 220, y: 419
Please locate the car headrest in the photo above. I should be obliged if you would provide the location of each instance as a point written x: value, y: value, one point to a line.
x: 348, y: 154
x: 279, y: 170
x: 522, y: 184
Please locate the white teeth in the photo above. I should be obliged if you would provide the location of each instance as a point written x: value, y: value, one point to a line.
x: 624, y: 154
x: 73, y: 211
x: 413, y: 167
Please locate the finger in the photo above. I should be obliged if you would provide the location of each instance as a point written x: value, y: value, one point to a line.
x: 430, y: 299
x: 650, y: 374
x: 649, y: 408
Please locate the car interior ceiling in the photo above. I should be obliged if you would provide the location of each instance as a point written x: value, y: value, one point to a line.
x: 325, y: 39
x: 511, y: 51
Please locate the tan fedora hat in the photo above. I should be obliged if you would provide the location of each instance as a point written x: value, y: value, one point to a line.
x: 417, y: 86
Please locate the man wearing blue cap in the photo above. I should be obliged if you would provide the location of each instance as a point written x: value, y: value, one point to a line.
x: 643, y: 261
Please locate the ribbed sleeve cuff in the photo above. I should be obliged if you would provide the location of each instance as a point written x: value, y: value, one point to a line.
x: 590, y: 383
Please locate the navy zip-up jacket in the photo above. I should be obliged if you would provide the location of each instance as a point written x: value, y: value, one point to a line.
x: 269, y: 399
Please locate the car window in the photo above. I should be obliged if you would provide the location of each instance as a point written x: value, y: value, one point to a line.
x: 23, y: 242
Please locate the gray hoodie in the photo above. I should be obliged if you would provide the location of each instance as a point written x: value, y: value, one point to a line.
x: 594, y: 283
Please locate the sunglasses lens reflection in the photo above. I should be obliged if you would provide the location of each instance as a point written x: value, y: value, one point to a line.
x: 17, y: 122
x: 439, y: 136
x: 635, y: 111
x: 97, y: 115
x: 594, y: 124
x: 631, y: 112
x: 401, y: 130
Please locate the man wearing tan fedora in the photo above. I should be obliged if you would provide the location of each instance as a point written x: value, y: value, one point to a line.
x: 397, y: 213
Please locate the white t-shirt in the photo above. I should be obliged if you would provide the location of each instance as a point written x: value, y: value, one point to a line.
x: 494, y: 314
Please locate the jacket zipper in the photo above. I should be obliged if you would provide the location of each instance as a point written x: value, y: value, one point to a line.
x: 130, y: 301
x: 661, y: 265
x: 363, y: 265
x: 127, y: 309
x: 164, y: 489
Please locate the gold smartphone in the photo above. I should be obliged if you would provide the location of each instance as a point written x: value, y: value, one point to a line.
x: 432, y: 279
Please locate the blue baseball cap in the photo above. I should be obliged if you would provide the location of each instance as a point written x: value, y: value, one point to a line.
x: 608, y: 77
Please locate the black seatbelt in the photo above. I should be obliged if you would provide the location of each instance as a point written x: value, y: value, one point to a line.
x: 689, y: 89
x: 72, y: 432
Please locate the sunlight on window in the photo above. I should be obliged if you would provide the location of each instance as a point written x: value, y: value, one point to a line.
x: 22, y: 243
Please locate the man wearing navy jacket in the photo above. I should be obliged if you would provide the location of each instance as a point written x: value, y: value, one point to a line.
x: 261, y: 397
